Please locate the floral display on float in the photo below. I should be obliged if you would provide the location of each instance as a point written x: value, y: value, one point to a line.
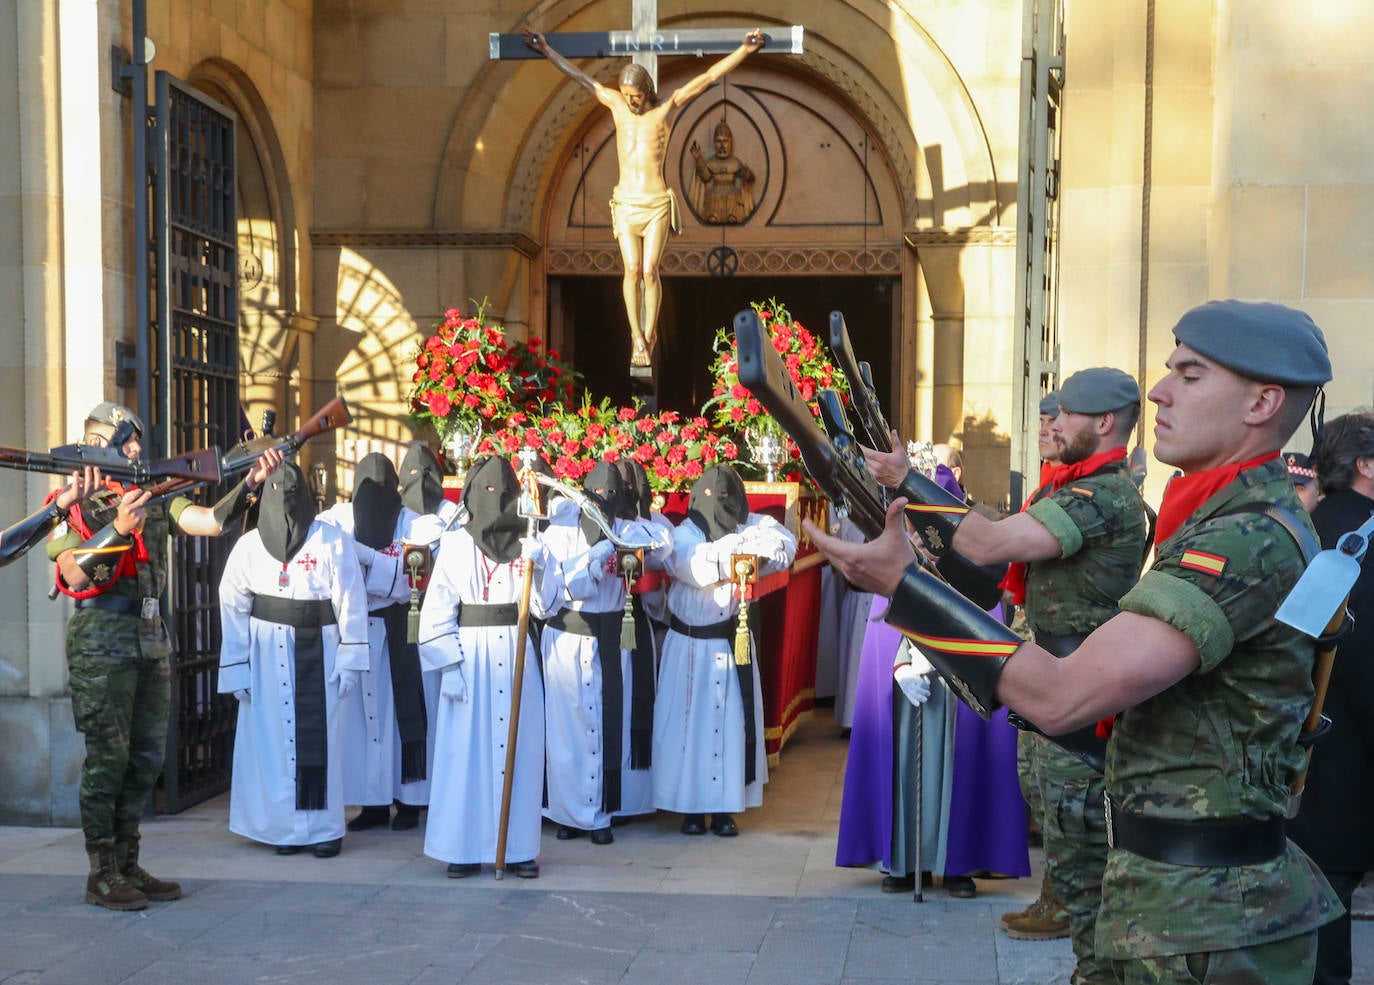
x: 483, y: 394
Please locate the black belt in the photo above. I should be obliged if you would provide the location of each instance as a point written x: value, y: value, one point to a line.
x: 723, y: 630
x: 1224, y: 842
x: 125, y: 605
x: 300, y: 613
x: 580, y: 623
x: 503, y: 614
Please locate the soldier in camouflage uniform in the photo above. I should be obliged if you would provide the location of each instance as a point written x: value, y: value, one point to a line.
x: 1082, y: 537
x: 111, y: 557
x: 1201, y: 884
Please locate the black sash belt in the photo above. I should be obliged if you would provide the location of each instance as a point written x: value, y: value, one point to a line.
x: 123, y: 604
x: 407, y: 691
x: 1222, y: 843
x: 642, y: 690
x: 306, y: 616
x: 604, y: 627
x: 503, y: 614
x: 725, y: 630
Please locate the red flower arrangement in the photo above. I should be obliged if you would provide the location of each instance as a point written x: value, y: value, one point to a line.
x: 463, y: 375
x: 733, y: 408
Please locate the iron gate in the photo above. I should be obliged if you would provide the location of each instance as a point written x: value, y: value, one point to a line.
x: 194, y: 369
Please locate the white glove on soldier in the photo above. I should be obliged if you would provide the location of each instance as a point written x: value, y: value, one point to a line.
x: 453, y: 686
x: 913, y: 683
x: 347, y: 680
x: 244, y: 695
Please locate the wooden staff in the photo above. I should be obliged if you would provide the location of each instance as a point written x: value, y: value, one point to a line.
x: 529, y: 507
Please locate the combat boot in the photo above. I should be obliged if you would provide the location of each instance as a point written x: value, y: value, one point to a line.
x: 1046, y: 892
x: 126, y: 854
x: 1046, y: 920
x: 106, y: 885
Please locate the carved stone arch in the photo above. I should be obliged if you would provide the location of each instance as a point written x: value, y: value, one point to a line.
x: 515, y: 122
x: 269, y: 275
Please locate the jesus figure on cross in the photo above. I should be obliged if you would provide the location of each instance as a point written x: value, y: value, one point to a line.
x: 643, y: 207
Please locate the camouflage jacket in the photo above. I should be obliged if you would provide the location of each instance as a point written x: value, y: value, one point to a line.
x: 1221, y: 743
x: 115, y: 633
x: 1099, y: 521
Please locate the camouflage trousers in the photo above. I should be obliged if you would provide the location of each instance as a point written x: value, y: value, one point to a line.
x: 1028, y: 772
x: 1075, y: 844
x: 1286, y: 962
x: 121, y: 707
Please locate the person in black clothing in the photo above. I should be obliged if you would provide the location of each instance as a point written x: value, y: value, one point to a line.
x: 1337, y: 815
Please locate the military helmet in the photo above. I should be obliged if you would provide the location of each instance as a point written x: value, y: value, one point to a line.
x: 109, y: 425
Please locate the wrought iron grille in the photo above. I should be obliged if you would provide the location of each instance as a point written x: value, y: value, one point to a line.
x: 194, y: 371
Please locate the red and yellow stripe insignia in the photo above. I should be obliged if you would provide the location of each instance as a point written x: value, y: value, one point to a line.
x: 1082, y: 491
x: 960, y: 647
x: 930, y: 508
x: 1208, y: 564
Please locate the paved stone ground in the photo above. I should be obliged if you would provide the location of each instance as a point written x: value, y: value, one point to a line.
x: 655, y: 908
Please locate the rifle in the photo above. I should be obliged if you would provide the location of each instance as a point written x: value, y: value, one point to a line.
x: 862, y: 394
x: 195, y: 466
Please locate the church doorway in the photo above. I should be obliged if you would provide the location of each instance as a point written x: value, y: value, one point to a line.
x: 587, y: 322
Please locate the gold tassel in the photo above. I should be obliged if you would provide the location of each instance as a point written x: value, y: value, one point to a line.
x: 413, y: 618
x: 627, y: 621
x: 742, y: 635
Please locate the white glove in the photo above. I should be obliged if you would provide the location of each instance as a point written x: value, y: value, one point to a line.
x: 347, y: 681
x: 913, y: 684
x: 918, y: 661
x: 599, y: 557
x: 454, y: 686
x: 244, y: 695
x: 366, y: 555
x: 532, y: 550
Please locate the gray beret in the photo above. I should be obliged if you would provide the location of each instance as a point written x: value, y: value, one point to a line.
x: 1049, y: 404
x: 1266, y: 342
x: 1098, y: 390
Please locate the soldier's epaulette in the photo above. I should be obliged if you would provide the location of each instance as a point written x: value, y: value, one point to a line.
x: 1208, y: 564
x: 1083, y: 491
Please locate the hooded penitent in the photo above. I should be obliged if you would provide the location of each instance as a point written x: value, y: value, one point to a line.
x: 285, y: 512
x: 718, y: 504
x: 638, y: 493
x: 422, y: 480
x: 604, y: 486
x: 376, y: 501
x: 491, y: 495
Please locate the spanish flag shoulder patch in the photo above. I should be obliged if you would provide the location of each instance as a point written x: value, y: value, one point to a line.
x: 1208, y: 564
x: 1083, y: 491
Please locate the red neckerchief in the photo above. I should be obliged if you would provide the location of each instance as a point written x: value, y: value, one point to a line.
x: 1014, y: 581
x: 1185, y: 493
x: 127, y: 563
x: 1068, y: 473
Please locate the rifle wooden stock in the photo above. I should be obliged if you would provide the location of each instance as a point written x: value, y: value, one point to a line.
x: 876, y: 432
x: 334, y: 414
x: 191, y: 467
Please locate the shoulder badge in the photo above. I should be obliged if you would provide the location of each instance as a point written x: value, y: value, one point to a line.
x: 1083, y: 491
x: 1208, y: 564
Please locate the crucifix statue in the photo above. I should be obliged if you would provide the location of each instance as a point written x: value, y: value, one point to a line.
x: 643, y: 208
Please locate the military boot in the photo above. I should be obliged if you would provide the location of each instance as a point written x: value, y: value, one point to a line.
x: 1046, y: 892
x: 1046, y: 920
x: 126, y: 854
x: 106, y: 885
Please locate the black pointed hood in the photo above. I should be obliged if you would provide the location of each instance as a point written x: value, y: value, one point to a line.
x: 285, y: 512
x: 422, y: 480
x: 718, y: 504
x: 606, y: 489
x: 376, y: 501
x: 491, y: 494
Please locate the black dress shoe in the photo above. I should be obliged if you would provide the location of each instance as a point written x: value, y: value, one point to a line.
x: 724, y: 825
x: 461, y: 870
x: 961, y: 887
x: 371, y: 817
x: 407, y: 817
x: 602, y: 836
x: 288, y: 849
x: 566, y: 833
x: 900, y: 884
x: 694, y: 824
x: 328, y: 849
x: 524, y: 870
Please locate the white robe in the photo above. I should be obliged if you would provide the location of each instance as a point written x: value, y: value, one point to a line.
x: 258, y: 657
x: 573, y: 685
x: 699, y: 747
x: 468, y: 771
x: 372, y: 739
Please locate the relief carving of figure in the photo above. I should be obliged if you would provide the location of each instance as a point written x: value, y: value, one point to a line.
x: 722, y: 191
